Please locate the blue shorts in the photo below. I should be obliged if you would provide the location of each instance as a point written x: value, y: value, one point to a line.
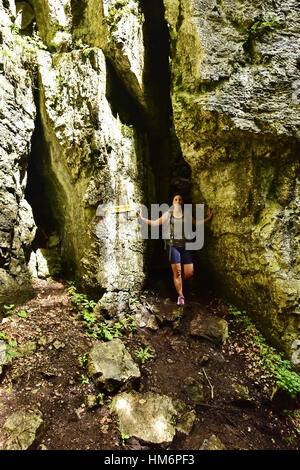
x: 179, y: 255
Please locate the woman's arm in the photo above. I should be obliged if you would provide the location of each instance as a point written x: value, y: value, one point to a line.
x: 209, y: 216
x: 153, y: 223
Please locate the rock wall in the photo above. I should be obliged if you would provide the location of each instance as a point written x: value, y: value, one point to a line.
x: 97, y: 154
x: 235, y: 94
x: 107, y: 138
x: 95, y: 136
x: 17, y: 109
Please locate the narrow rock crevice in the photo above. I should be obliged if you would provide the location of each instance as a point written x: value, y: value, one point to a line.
x: 41, y: 193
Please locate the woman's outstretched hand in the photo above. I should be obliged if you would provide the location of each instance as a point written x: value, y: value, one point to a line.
x: 139, y: 213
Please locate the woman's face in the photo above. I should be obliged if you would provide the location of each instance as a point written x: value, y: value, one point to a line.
x: 178, y: 201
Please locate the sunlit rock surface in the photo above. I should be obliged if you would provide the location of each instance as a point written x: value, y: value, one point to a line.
x: 93, y: 158
x: 235, y: 93
x: 117, y: 28
x: 147, y: 416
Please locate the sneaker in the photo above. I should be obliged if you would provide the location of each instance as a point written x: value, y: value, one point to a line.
x: 180, y: 300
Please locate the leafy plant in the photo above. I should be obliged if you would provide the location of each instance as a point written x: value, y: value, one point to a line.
x: 30, y: 45
x: 128, y: 323
x: 11, y: 346
x: 261, y: 26
x: 127, y: 131
x: 22, y: 314
x: 82, y: 360
x: 271, y: 361
x: 133, y: 301
x: 9, y: 309
x: 123, y: 438
x: 100, y: 398
x: 84, y: 379
x: 94, y: 327
x: 143, y: 354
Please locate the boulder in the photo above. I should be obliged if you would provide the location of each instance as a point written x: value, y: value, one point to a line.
x: 144, y: 319
x: 169, y: 312
x: 208, y: 327
x: 110, y: 365
x: 186, y: 418
x: 147, y: 416
x: 25, y: 428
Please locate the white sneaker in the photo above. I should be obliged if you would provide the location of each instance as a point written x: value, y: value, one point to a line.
x: 180, y: 300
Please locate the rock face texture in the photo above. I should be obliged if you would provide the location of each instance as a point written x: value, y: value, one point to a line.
x: 103, y: 136
x: 17, y: 109
x: 235, y: 94
x: 93, y: 154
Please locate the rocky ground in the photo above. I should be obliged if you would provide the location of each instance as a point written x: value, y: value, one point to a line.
x: 202, y: 388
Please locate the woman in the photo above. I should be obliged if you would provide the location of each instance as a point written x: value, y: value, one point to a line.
x: 175, y: 245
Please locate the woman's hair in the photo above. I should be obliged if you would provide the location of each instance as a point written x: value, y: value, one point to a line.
x: 176, y: 194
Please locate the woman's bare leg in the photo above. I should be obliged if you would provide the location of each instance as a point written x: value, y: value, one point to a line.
x: 188, y: 270
x: 177, y: 278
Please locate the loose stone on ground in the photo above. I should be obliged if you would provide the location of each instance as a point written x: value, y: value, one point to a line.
x: 209, y: 327
x: 212, y: 443
x: 149, y: 416
x: 25, y: 428
x: 110, y: 365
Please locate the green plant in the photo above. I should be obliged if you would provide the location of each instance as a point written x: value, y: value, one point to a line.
x: 100, y: 398
x: 261, y: 26
x: 30, y: 45
x: 82, y: 360
x: 22, y: 314
x: 11, y: 346
x: 94, y: 327
x: 134, y: 303
x: 143, y: 354
x: 123, y: 438
x: 3, y: 336
x: 84, y: 379
x: 128, y: 323
x: 9, y: 309
x: 272, y: 362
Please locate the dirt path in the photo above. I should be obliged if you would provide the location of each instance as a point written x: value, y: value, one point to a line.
x: 48, y: 375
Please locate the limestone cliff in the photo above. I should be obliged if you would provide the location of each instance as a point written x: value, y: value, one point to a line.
x: 17, y: 108
x: 94, y: 157
x: 235, y: 93
x: 103, y: 134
